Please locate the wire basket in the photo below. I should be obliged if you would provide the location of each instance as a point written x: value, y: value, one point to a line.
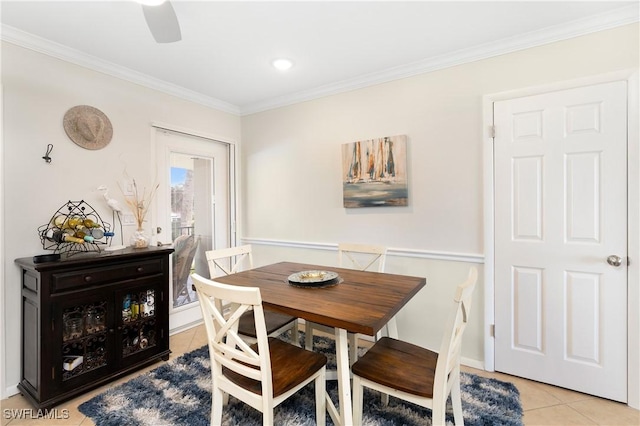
x: 75, y: 228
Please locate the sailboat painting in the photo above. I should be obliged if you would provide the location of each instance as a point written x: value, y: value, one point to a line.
x: 374, y: 172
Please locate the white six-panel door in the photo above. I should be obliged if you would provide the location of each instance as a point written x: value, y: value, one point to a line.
x: 560, y: 212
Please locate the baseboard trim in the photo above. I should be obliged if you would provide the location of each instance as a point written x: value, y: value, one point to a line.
x: 473, y: 363
x: 185, y: 327
x: 399, y: 252
x: 10, y: 391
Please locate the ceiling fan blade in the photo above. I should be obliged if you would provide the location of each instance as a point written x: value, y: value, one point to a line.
x: 162, y: 22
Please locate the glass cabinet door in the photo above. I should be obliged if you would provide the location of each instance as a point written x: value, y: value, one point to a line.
x: 139, y: 326
x: 85, y: 338
x: 138, y: 321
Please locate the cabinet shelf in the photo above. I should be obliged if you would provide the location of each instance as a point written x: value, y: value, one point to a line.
x: 84, y: 338
x: 138, y: 336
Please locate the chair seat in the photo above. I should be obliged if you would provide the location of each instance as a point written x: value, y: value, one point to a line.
x: 399, y: 365
x: 290, y: 366
x: 273, y: 320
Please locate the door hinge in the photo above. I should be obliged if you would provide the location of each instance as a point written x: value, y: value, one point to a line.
x: 492, y: 131
x: 53, y: 373
x: 492, y: 330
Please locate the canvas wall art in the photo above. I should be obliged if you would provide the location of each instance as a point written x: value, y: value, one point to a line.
x: 374, y: 172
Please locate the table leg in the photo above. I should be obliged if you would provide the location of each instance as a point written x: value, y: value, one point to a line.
x: 344, y: 376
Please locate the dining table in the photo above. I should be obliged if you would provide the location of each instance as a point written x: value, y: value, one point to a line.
x: 355, y: 302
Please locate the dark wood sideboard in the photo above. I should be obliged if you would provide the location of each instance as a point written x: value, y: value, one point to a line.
x: 91, y: 318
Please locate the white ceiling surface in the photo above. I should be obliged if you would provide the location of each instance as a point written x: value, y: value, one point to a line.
x: 224, y: 57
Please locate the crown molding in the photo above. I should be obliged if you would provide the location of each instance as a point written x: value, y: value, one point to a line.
x: 612, y: 19
x: 59, y: 51
x: 608, y: 20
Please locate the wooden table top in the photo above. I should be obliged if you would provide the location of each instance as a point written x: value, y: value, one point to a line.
x: 362, y: 303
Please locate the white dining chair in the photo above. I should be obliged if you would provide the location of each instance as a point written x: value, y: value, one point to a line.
x: 235, y: 259
x: 263, y: 374
x: 363, y: 257
x: 416, y: 374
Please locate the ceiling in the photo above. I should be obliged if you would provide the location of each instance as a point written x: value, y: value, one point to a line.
x: 224, y: 57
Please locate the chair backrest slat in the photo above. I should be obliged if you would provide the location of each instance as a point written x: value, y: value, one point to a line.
x: 225, y: 345
x: 229, y: 260
x: 361, y: 256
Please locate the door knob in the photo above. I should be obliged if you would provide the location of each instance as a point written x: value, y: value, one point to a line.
x: 614, y: 260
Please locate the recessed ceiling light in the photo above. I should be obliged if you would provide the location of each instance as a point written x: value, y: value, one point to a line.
x: 282, y: 64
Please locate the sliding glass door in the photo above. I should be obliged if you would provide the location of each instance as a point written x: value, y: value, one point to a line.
x: 194, y: 211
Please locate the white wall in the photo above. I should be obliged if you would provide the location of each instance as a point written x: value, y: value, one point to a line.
x: 38, y: 90
x: 292, y: 192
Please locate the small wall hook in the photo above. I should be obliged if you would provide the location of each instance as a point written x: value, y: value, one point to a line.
x: 46, y: 155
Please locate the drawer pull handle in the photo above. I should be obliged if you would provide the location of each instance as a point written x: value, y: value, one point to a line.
x: 140, y: 269
x: 87, y: 278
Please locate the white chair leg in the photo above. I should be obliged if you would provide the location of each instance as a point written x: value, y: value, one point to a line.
x: 456, y: 402
x: 217, y: 397
x: 384, y: 399
x: 321, y: 400
x: 392, y: 328
x: 353, y: 348
x: 357, y: 400
x: 308, y: 336
x: 295, y: 338
x: 438, y: 412
x: 267, y: 416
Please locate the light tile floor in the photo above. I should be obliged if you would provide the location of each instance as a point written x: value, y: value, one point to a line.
x: 543, y: 404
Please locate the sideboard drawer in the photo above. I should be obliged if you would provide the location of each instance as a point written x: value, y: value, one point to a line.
x: 96, y: 276
x: 30, y: 280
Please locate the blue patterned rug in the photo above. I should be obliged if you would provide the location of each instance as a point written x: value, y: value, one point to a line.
x: 178, y: 393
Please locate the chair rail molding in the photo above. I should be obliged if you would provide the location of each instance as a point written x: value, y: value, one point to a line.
x: 397, y: 252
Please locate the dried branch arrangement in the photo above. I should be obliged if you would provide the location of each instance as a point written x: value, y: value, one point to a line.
x: 140, y: 201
